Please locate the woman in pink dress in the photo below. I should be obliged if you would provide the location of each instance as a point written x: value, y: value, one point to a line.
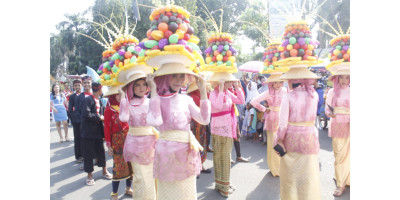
x: 273, y: 96
x: 223, y: 127
x: 338, y: 98
x: 297, y: 135
x: 177, y: 159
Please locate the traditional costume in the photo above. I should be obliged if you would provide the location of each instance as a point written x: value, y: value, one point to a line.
x: 76, y: 122
x: 274, y: 98
x: 177, y: 159
x: 223, y: 121
x: 338, y: 98
x: 299, y: 167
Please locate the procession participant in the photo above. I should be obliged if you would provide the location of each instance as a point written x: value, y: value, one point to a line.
x: 338, y: 109
x: 115, y: 132
x: 75, y: 119
x: 140, y: 142
x: 199, y: 130
x: 177, y: 159
x: 297, y: 135
x: 220, y: 59
x: 57, y: 104
x: 273, y: 95
x: 93, y: 134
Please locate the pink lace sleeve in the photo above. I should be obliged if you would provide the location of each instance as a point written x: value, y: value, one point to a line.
x: 202, y: 114
x: 283, y: 119
x: 154, y: 117
x: 329, y: 98
x: 123, y: 110
x: 261, y: 97
x: 217, y: 101
x: 239, y: 99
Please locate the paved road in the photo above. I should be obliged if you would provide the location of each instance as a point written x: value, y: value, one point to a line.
x: 252, y: 180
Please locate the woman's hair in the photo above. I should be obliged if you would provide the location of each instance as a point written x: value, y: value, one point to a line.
x: 54, y: 93
x: 162, y: 83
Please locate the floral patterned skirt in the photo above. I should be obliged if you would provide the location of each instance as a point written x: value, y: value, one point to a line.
x: 200, y: 131
x: 121, y: 169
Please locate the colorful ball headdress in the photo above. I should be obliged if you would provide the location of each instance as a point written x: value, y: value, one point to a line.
x: 339, y: 55
x: 297, y: 51
x: 271, y: 57
x: 170, y: 41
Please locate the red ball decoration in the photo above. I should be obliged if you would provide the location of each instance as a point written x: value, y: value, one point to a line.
x: 305, y: 46
x: 296, y: 46
x: 169, y: 14
x: 167, y: 34
x: 305, y: 57
x: 214, y: 58
x: 155, y: 47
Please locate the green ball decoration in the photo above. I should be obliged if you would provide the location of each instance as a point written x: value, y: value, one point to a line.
x: 114, y: 69
x: 150, y: 43
x: 265, y: 68
x: 292, y: 40
x: 338, y: 47
x: 276, y: 55
x: 99, y: 71
x: 226, y: 47
x: 121, y: 58
x: 211, y: 63
x: 214, y: 47
x: 106, y: 64
x: 142, y: 53
x: 115, y: 56
x: 133, y: 59
x: 307, y: 40
x: 173, y: 39
x: 228, y: 63
x: 131, y: 49
x: 219, y: 62
x: 271, y: 67
x: 223, y: 53
x: 107, y: 77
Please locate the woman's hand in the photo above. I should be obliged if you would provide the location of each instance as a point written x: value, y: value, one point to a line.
x: 235, y: 85
x: 122, y: 93
x: 221, y: 85
x: 110, y: 151
x: 151, y: 83
x: 201, y: 83
x: 55, y: 110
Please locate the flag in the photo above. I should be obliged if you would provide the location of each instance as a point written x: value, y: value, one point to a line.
x: 135, y: 10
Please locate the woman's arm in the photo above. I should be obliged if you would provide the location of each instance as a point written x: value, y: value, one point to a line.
x: 107, y: 126
x: 329, y: 98
x: 153, y: 117
x: 123, y: 107
x: 203, y: 114
x: 283, y: 120
x: 256, y: 102
x: 239, y: 99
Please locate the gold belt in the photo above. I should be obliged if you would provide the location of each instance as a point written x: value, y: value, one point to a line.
x: 302, y: 123
x: 181, y: 136
x: 342, y: 110
x: 274, y: 108
x: 143, y: 130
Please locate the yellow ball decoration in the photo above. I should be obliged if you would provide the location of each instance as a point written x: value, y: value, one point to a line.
x: 219, y: 57
x: 280, y: 48
x: 310, y: 47
x: 208, y: 60
x: 232, y: 59
x: 289, y: 47
x: 336, y: 52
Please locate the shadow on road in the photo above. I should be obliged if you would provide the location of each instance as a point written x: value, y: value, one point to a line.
x: 267, y: 189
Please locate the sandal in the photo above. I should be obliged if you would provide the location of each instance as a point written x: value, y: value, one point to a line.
x: 338, y: 192
x: 61, y: 140
x: 90, y: 182
x: 107, y: 176
x: 232, y: 187
x: 67, y: 140
x: 222, y: 193
x: 114, y: 196
x: 129, y: 192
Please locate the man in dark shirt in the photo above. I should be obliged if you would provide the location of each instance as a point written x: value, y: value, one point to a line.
x: 75, y: 119
x: 93, y: 134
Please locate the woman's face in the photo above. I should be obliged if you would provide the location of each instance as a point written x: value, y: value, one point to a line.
x: 176, y: 81
x: 140, y: 88
x: 56, y: 89
x: 277, y: 85
x: 118, y: 97
x: 227, y: 84
x: 344, y: 80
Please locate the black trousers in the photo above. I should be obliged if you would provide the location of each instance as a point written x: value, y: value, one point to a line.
x: 93, y: 148
x: 77, y: 139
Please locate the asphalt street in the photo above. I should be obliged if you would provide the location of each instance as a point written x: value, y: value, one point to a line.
x: 252, y: 180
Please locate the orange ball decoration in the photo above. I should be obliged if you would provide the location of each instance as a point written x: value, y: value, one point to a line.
x: 216, y: 53
x: 346, y: 56
x: 183, y: 27
x: 293, y: 52
x: 163, y: 27
x: 276, y: 58
x: 228, y: 53
x: 309, y: 52
x: 128, y: 54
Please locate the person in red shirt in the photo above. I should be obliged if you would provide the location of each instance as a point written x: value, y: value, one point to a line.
x: 115, y: 132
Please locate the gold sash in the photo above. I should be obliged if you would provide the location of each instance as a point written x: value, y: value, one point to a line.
x: 143, y: 130
x: 342, y: 110
x: 274, y: 108
x: 181, y: 136
x: 302, y: 123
